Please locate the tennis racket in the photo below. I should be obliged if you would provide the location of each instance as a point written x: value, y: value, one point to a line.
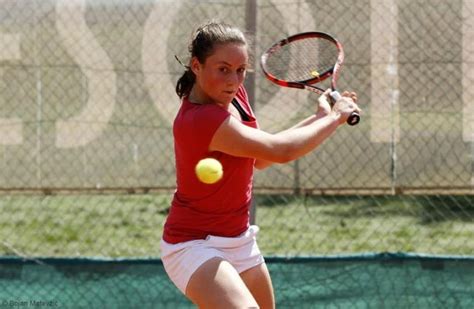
x: 303, y: 60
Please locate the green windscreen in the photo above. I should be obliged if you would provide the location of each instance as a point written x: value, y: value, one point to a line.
x: 359, y: 281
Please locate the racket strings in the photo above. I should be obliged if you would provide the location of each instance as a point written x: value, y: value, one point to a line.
x: 302, y: 60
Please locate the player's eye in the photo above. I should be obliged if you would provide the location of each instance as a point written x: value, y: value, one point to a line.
x: 224, y: 69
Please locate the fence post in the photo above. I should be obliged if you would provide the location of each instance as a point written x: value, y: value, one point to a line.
x: 251, y: 29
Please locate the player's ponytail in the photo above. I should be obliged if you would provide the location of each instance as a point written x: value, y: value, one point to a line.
x: 185, y: 83
x: 204, y: 40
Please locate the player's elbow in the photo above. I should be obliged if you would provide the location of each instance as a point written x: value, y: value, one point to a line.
x: 276, y: 149
x: 283, y: 152
x: 286, y: 157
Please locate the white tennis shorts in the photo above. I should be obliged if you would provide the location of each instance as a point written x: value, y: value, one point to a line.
x: 181, y: 260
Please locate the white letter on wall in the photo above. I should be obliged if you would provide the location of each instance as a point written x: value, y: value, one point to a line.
x: 384, y: 110
x: 11, y: 129
x: 79, y: 41
x: 468, y: 70
x: 155, y: 51
x: 288, y: 103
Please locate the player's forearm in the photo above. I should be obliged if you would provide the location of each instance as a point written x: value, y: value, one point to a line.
x: 300, y: 124
x: 309, y: 120
x: 301, y: 140
x: 262, y: 164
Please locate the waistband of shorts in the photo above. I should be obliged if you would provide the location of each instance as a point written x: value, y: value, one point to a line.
x: 213, y: 241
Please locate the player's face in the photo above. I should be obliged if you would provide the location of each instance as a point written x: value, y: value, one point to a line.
x: 219, y: 78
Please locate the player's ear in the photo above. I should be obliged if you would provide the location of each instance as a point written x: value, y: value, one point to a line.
x: 195, y: 65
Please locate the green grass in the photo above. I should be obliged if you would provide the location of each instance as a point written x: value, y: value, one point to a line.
x: 131, y: 225
x: 334, y: 225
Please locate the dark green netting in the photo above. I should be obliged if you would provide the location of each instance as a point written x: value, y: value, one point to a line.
x: 360, y: 281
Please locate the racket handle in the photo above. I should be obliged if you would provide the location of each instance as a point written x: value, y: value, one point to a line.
x: 335, y: 95
x: 354, y: 118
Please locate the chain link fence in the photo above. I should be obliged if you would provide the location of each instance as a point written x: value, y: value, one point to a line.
x: 87, y: 102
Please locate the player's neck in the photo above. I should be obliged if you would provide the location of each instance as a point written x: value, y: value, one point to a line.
x: 197, y: 96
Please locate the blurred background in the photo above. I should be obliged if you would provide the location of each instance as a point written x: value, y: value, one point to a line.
x: 87, y: 166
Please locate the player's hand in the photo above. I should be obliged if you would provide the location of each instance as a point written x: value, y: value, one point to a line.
x: 324, y: 107
x: 344, y: 107
x: 350, y: 94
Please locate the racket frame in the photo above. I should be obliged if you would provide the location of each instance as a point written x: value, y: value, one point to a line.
x: 308, y: 84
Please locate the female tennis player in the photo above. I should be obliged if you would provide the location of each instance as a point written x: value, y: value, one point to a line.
x: 208, y: 248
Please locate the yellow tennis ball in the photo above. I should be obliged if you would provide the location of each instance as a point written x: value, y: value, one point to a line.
x: 209, y: 170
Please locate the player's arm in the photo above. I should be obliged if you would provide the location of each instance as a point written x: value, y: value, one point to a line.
x: 323, y: 110
x: 261, y: 164
x: 236, y: 139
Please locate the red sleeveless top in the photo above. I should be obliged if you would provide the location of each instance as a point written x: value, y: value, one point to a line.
x: 198, y: 209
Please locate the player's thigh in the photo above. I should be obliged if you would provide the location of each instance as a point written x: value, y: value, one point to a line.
x: 216, y: 284
x: 258, y: 280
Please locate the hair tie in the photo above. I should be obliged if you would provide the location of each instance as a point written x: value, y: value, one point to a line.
x: 180, y: 62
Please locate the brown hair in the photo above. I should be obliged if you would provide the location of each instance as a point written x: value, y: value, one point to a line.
x: 204, y: 40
